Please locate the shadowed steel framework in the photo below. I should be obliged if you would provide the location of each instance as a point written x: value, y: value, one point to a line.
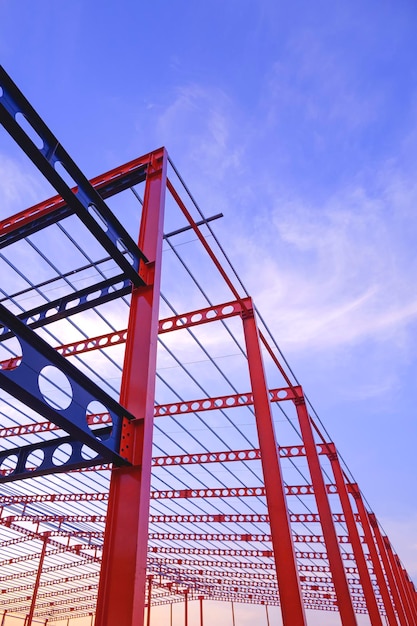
x: 155, y: 445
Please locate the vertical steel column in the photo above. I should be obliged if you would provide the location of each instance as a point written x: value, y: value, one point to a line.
x: 368, y: 589
x: 407, y: 589
x: 412, y: 592
x: 388, y: 571
x: 233, y: 614
x: 186, y: 608
x: 285, y: 562
x: 148, y: 620
x: 201, y: 610
x: 170, y: 613
x: 121, y: 594
x: 267, y: 615
x: 412, y: 589
x: 3, y: 618
x: 337, y: 569
x: 37, y: 581
x: 376, y: 562
x: 396, y: 568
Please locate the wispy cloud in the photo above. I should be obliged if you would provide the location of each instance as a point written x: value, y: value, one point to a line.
x: 19, y: 187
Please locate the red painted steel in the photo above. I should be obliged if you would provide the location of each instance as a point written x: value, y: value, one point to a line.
x: 312, y: 577
x: 376, y: 563
x: 396, y: 568
x: 285, y: 561
x: 56, y: 202
x: 121, y: 595
x: 201, y: 610
x: 37, y: 581
x: 388, y: 570
x: 347, y: 612
x: 355, y: 540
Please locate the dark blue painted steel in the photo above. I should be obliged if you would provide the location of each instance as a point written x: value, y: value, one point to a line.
x: 23, y: 383
x: 86, y: 202
x: 87, y: 298
x: 106, y: 191
x: 48, y: 457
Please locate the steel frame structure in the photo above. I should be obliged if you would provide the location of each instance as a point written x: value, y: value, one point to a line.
x: 139, y: 460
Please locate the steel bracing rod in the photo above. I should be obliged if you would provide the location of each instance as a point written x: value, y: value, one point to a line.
x: 85, y: 610
x: 355, y: 540
x: 23, y: 383
x: 63, y: 548
x: 49, y: 583
x: 396, y: 569
x: 158, y: 495
x: 49, y: 211
x: 239, y: 552
x: 239, y: 492
x: 121, y: 594
x: 62, y: 519
x: 344, y: 599
x: 376, y: 559
x: 53, y: 568
x: 319, y: 539
x: 37, y: 581
x: 391, y: 577
x: 65, y: 307
x: 86, y: 202
x: 100, y: 293
x: 23, y: 601
x: 176, y: 408
x: 285, y: 560
x: 30, y: 534
x: 225, y: 456
x: 50, y: 463
x: 75, y: 302
x: 262, y: 566
x: 252, y: 518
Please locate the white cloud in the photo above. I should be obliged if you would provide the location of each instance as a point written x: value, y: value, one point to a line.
x: 19, y: 188
x: 336, y: 275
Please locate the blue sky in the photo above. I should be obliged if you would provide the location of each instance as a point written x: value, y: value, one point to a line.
x: 299, y: 123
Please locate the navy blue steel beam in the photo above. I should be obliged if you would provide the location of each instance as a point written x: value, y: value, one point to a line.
x: 23, y: 384
x: 48, y: 457
x: 106, y: 190
x: 86, y: 298
x: 86, y: 202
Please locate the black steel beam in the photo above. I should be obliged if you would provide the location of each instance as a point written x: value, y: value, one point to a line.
x: 50, y: 157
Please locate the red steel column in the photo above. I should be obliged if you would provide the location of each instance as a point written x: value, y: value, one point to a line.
x: 368, y: 589
x: 285, y: 562
x: 376, y: 562
x: 121, y: 594
x: 3, y: 618
x: 37, y: 581
x: 413, y: 595
x: 201, y: 610
x: 388, y: 571
x: 186, y: 608
x: 148, y: 619
x: 407, y: 589
x: 396, y: 568
x: 344, y: 599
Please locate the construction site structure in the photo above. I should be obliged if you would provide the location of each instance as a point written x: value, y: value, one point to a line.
x: 156, y: 448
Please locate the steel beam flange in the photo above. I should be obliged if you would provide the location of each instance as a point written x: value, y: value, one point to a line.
x: 71, y: 410
x: 60, y: 454
x: 30, y: 132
